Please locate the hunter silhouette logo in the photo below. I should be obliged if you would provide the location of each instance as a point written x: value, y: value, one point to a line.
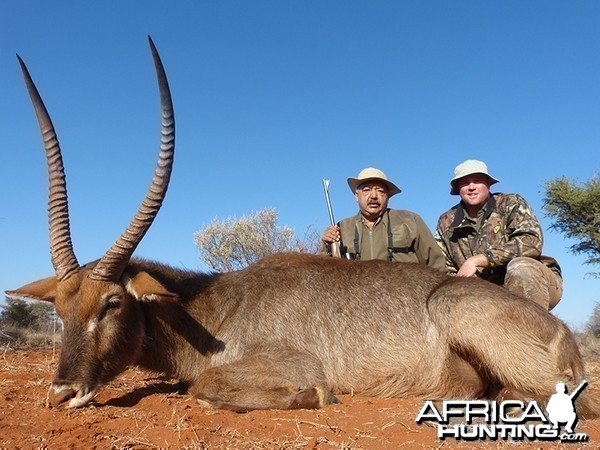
x: 511, y: 419
x: 561, y: 407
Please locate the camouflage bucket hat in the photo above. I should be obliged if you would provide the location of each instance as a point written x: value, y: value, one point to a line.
x: 466, y: 168
x: 372, y: 174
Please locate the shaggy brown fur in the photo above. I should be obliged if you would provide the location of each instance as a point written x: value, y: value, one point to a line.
x: 291, y: 329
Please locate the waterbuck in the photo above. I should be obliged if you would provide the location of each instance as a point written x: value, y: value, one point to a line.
x: 291, y: 330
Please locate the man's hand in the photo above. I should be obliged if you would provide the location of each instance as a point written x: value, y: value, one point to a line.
x: 469, y: 268
x: 331, y: 234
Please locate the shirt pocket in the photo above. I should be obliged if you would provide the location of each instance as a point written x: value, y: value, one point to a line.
x: 403, y: 239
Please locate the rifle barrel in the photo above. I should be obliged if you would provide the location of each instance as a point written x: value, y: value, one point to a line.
x: 578, y: 389
x: 335, y: 246
x: 329, y: 208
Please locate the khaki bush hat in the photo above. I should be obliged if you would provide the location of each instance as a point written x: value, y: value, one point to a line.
x: 469, y: 167
x: 371, y: 174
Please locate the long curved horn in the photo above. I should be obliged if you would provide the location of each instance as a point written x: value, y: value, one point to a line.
x: 112, y: 264
x: 63, y: 257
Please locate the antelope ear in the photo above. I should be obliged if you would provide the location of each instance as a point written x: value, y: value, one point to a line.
x: 146, y: 288
x: 44, y: 289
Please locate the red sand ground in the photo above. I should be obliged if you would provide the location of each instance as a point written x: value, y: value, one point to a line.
x: 140, y: 410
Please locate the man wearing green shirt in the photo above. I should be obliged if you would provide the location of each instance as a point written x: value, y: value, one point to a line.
x: 378, y: 232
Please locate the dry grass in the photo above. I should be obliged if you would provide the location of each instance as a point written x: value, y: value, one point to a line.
x: 17, y: 337
x: 589, y: 345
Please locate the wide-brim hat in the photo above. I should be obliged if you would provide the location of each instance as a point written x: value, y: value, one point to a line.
x: 372, y: 174
x: 466, y: 168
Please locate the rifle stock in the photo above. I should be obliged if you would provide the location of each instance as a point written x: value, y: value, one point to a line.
x: 335, y: 250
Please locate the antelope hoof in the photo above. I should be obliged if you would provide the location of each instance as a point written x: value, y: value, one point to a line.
x: 316, y: 396
x: 56, y: 396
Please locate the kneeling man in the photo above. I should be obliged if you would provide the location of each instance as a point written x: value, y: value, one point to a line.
x: 496, y: 237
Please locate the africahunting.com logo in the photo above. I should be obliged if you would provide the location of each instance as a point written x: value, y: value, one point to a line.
x: 472, y: 420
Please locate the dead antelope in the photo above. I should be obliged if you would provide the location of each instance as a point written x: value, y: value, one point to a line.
x: 290, y: 330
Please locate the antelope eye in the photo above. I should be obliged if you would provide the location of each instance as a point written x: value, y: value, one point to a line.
x: 113, y: 302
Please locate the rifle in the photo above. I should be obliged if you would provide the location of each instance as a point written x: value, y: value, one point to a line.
x: 335, y: 246
x: 578, y: 389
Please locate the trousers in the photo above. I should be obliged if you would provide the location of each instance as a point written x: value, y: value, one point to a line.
x: 529, y: 278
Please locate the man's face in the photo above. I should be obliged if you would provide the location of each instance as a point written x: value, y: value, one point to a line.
x: 474, y: 189
x: 372, y: 198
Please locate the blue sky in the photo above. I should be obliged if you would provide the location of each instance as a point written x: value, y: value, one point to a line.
x: 272, y: 96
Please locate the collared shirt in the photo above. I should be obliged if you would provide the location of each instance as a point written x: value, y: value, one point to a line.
x: 412, y: 240
x: 506, y: 227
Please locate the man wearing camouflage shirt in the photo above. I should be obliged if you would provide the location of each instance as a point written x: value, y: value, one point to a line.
x: 496, y: 237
